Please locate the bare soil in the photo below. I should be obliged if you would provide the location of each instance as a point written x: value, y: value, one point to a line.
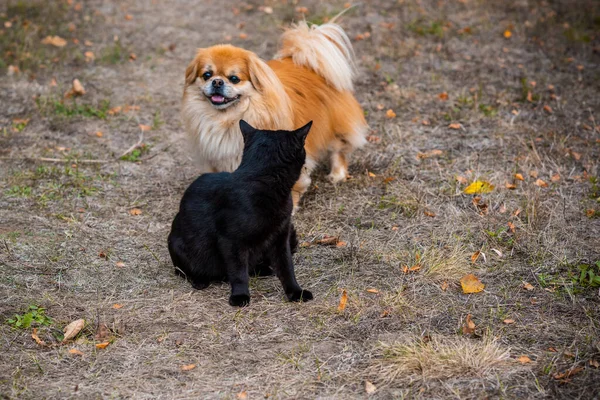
x: 499, y: 88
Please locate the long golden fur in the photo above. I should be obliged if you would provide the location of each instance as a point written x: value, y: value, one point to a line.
x: 310, y: 79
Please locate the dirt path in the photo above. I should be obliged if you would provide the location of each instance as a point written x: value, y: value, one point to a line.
x: 479, y: 91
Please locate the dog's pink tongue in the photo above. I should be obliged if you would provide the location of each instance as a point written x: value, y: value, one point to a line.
x: 217, y: 99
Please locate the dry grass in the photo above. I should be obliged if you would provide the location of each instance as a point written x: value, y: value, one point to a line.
x: 438, y: 357
x: 69, y: 244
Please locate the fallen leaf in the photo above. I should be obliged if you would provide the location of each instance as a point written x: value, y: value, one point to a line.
x: 380, y: 106
x: 548, y: 109
x: 390, y: 114
x: 498, y: 252
x: 135, y: 211
x: 507, y: 34
x: 528, y: 286
x: 73, y: 329
x: 115, y: 110
x: 519, y: 177
x: 555, y: 178
x: 102, y: 332
x: 369, y: 387
x: 76, y: 352
x: 188, y: 367
x: 595, y: 363
x: 340, y: 244
x: 475, y: 256
x: 414, y: 268
x: 511, y: 227
x: 54, y: 41
x: 371, y: 290
x: 429, y: 154
x: 568, y: 373
x: 268, y: 10
x: 102, y: 345
x: 425, y: 122
x: 443, y: 96
x: 510, y: 186
x: 77, y: 89
x: 454, y: 126
x: 372, y: 175
x: 128, y: 17
x: 541, y: 183
x: 444, y: 286
x: 343, y: 301
x: 471, y: 284
x: 469, y: 326
x: 509, y: 321
x: 243, y: 36
x: 529, y: 96
x: 479, y: 187
x: 524, y: 359
x: 462, y: 179
x: 37, y: 339
x: 302, y: 10
x: 117, y: 306
x: 145, y: 127
x: 88, y: 43
x: 429, y: 213
x: 99, y: 134
x: 120, y: 264
x: 132, y: 57
x: 242, y: 395
x: 327, y: 240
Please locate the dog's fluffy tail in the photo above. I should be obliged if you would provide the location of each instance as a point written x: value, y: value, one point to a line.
x: 326, y: 49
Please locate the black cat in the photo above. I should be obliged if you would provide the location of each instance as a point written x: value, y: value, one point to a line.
x: 231, y: 224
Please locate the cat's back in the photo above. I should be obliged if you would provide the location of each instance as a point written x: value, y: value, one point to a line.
x: 206, y: 191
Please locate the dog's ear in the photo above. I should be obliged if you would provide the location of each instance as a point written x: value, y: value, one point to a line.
x: 247, y: 130
x: 191, y: 72
x: 262, y: 76
x: 301, y: 133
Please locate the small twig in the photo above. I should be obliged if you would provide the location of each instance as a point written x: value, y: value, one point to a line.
x: 135, y: 146
x: 58, y: 160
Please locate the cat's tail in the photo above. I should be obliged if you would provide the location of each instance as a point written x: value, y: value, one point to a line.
x: 326, y: 49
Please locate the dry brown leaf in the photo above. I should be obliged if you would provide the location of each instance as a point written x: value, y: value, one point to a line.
x: 429, y: 213
x: 462, y: 179
x: 102, y: 345
x: 469, y: 326
x: 99, y: 134
x: 454, y: 126
x: 128, y: 17
x: 37, y: 339
x: 524, y: 359
x: 555, y: 178
x: 115, y: 110
x: 510, y: 186
x: 568, y: 373
x: 372, y: 175
x: 429, y: 154
x: 76, y: 352
x: 444, y: 286
x: 135, y: 211
x: 188, y: 367
x: 528, y: 286
x: 243, y: 36
x: 117, y: 306
x: 509, y: 321
x: 443, y: 96
x: 54, y: 41
x: 370, y: 388
x: 243, y: 395
x: 73, y: 329
x: 77, y: 89
x: 475, y: 256
x: 548, y: 109
x: 471, y: 284
x: 533, y: 174
x: 268, y: 10
x: 519, y: 177
x: 529, y: 96
x: 390, y: 114
x: 120, y: 264
x: 343, y: 301
x: 372, y: 290
x: 145, y: 127
x: 89, y: 56
x: 327, y: 240
x: 340, y: 244
x: 541, y: 183
x: 595, y: 363
x: 511, y: 227
x: 507, y: 34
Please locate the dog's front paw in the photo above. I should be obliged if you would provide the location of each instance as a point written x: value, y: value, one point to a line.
x: 300, y: 295
x: 239, y: 300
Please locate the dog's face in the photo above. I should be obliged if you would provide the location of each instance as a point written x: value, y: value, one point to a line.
x: 222, y: 74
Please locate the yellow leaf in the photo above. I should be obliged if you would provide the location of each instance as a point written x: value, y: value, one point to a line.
x: 54, y: 41
x: 188, y: 367
x: 343, y: 301
x: 73, y: 329
x: 524, y: 359
x: 102, y: 345
x: 479, y: 187
x: 390, y: 113
x: 471, y: 284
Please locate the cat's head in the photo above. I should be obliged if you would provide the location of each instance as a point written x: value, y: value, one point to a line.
x: 274, y: 148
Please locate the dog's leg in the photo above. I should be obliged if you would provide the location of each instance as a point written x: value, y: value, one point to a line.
x: 302, y: 184
x: 339, y: 167
x: 281, y: 260
x: 236, y: 262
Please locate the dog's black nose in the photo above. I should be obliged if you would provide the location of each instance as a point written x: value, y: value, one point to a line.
x: 217, y: 83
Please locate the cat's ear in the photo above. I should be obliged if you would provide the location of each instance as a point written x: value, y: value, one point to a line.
x: 247, y: 130
x: 301, y: 133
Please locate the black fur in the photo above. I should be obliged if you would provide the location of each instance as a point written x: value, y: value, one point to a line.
x: 233, y: 224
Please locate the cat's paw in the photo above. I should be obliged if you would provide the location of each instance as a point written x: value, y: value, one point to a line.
x: 200, y: 285
x: 300, y: 295
x: 239, y: 300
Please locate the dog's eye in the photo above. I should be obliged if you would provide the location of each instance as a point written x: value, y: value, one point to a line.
x: 234, y: 79
x: 206, y: 76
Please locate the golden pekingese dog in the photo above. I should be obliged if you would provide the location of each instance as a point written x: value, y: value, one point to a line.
x: 309, y: 79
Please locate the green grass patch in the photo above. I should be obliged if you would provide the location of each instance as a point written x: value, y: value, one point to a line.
x: 34, y: 316
x: 422, y: 28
